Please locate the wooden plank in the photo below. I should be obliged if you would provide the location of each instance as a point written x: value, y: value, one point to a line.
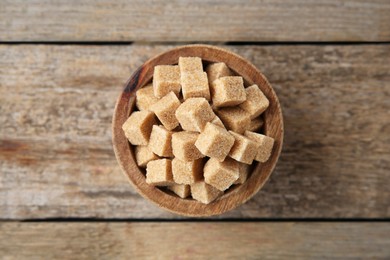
x: 56, y: 157
x: 179, y: 241
x: 233, y: 20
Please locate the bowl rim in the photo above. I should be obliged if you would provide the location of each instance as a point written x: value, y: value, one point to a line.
x: 125, y: 154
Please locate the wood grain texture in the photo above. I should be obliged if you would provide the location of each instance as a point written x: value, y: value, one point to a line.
x: 172, y: 21
x: 179, y: 241
x: 273, y: 127
x: 56, y: 157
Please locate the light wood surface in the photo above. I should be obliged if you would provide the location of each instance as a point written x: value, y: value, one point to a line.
x: 56, y: 158
x: 178, y: 21
x: 273, y: 127
x: 224, y: 240
x: 57, y: 102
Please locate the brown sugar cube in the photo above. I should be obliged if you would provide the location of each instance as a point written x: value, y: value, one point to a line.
x: 217, y: 121
x: 228, y: 91
x: 143, y: 155
x: 217, y: 70
x: 194, y: 113
x: 215, y: 142
x: 266, y: 145
x: 190, y: 64
x: 183, y: 146
x: 160, y: 141
x: 243, y: 170
x: 159, y: 172
x: 187, y: 172
x: 221, y: 175
x: 165, y: 110
x: 244, y: 149
x: 195, y: 84
x: 256, y: 124
x: 183, y: 191
x: 138, y: 126
x: 234, y: 118
x: 145, y: 97
x: 166, y: 78
x: 204, y: 192
x: 256, y: 102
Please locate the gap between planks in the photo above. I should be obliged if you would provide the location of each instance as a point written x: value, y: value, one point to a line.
x: 236, y: 43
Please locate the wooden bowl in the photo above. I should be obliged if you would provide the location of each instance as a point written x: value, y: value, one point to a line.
x: 273, y: 127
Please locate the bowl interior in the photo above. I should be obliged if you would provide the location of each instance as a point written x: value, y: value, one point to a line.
x: 273, y: 127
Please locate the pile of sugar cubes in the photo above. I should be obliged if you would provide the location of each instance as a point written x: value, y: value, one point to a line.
x: 197, y: 132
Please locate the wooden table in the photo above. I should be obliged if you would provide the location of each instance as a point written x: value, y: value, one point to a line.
x: 63, y: 64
